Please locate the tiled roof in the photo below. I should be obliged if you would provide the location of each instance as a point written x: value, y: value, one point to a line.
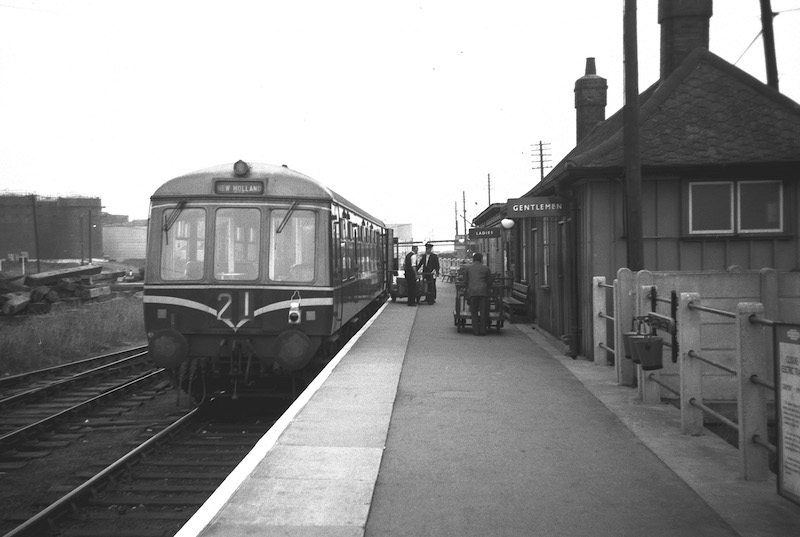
x: 707, y: 112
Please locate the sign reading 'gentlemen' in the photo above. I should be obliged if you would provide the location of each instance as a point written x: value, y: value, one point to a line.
x: 533, y: 207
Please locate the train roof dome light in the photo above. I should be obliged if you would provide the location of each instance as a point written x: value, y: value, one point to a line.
x: 241, y: 168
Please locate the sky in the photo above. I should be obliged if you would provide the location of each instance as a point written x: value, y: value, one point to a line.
x: 409, y: 109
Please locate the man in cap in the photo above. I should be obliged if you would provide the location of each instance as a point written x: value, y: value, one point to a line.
x: 410, y: 272
x: 430, y: 271
x: 478, y: 282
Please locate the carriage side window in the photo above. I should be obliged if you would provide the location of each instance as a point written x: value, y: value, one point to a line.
x: 183, y: 246
x: 236, y: 244
x: 292, y: 243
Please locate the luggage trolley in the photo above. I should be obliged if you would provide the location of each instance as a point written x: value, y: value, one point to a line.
x: 462, y: 316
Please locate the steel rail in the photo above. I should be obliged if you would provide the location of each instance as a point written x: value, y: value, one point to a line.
x: 693, y: 306
x: 693, y: 354
x: 757, y: 319
x: 16, y: 398
x: 755, y: 379
x: 766, y: 445
x: 22, y: 376
x: 21, y: 433
x: 607, y: 348
x: 667, y: 387
x: 720, y: 417
x: 54, y: 510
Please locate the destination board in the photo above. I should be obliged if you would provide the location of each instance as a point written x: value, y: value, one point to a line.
x: 239, y: 188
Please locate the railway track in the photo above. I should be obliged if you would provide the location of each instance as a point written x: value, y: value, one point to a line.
x: 156, y: 487
x: 35, y: 406
x: 14, y: 388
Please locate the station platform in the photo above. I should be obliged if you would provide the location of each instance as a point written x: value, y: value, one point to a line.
x: 415, y: 429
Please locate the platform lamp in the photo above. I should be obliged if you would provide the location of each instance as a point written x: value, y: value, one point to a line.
x: 506, y: 224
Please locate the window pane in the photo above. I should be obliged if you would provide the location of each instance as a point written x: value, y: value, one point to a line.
x: 292, y: 245
x: 183, y: 245
x: 236, y: 244
x: 760, y: 206
x: 711, y: 207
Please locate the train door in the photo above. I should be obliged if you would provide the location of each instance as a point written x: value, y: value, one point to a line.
x: 338, y: 272
x: 388, y: 259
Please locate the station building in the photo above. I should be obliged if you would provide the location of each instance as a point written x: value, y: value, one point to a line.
x: 720, y: 161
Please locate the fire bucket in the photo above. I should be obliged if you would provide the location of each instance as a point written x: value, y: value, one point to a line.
x: 626, y: 343
x: 648, y: 351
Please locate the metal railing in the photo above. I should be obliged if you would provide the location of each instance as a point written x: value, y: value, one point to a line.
x: 752, y: 356
x: 601, y: 329
x: 748, y: 364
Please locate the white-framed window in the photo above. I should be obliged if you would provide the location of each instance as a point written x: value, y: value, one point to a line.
x: 730, y: 207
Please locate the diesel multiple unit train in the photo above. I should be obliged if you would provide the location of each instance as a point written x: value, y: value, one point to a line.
x: 256, y: 273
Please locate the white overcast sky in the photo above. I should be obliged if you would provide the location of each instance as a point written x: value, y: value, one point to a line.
x: 398, y: 106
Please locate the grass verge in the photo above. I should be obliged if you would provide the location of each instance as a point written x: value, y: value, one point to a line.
x: 69, y: 333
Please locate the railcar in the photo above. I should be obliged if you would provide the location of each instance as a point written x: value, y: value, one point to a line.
x: 255, y: 273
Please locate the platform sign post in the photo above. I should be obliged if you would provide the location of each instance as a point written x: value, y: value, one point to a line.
x: 787, y: 403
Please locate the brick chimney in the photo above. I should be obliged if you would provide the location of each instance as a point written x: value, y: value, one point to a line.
x: 590, y: 100
x: 684, y: 27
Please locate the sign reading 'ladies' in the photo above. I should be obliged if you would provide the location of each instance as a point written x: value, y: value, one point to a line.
x: 484, y: 233
x: 533, y: 207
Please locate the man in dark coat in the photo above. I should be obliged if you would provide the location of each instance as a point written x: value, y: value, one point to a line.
x: 478, y: 281
x: 410, y: 273
x: 430, y: 271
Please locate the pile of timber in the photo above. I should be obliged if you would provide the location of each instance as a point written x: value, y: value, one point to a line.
x: 38, y: 292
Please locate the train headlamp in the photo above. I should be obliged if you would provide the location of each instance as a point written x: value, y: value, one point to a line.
x: 294, y: 308
x: 241, y: 168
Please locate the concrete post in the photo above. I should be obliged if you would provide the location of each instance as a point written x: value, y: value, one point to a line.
x: 772, y: 310
x: 691, y: 371
x: 600, y: 324
x: 752, y: 400
x: 624, y: 308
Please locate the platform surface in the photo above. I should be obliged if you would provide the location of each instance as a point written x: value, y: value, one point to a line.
x: 423, y: 431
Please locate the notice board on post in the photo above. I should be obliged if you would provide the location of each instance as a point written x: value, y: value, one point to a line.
x: 787, y: 403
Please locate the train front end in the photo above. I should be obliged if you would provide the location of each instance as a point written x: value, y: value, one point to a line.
x: 237, y: 285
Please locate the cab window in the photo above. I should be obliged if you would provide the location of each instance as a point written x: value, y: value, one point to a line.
x: 292, y: 244
x: 236, y: 243
x: 183, y: 245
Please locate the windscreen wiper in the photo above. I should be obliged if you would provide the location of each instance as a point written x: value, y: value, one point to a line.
x: 170, y: 221
x: 286, y: 218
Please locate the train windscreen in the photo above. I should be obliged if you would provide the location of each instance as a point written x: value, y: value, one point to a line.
x: 183, y: 246
x: 292, y: 245
x: 237, y: 238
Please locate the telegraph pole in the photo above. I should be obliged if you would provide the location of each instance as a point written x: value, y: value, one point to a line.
x: 630, y: 136
x: 464, y: 205
x: 544, y: 147
x: 489, y: 186
x: 769, y: 43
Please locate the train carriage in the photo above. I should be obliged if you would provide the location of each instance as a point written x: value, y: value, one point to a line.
x: 256, y: 272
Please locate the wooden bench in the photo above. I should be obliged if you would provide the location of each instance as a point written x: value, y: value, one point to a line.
x: 517, y: 301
